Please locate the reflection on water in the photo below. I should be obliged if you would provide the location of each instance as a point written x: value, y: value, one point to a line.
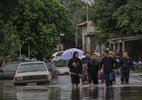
x: 109, y: 94
x: 75, y: 94
x: 10, y: 92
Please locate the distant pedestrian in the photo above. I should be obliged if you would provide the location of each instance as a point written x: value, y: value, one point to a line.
x: 97, y: 53
x: 107, y: 63
x: 126, y: 64
x: 93, y: 67
x: 118, y: 59
x: 75, y: 66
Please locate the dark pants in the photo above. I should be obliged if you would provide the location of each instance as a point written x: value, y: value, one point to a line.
x: 108, y: 81
x: 125, y: 76
x: 93, y: 77
x: 75, y: 79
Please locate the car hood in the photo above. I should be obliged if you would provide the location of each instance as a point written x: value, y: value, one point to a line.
x: 32, y: 73
x: 62, y: 68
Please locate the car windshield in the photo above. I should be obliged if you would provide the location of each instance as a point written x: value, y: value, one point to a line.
x: 10, y: 67
x: 31, y: 67
x: 61, y: 63
x: 59, y: 54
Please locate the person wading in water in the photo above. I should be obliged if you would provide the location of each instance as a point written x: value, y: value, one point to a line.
x: 126, y: 64
x: 108, y: 63
x: 75, y: 66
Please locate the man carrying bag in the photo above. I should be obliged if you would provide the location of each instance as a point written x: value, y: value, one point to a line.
x: 108, y: 63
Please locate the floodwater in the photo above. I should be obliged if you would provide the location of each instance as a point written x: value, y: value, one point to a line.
x: 61, y: 89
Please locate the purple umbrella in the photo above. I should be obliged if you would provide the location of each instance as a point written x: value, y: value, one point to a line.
x: 68, y: 54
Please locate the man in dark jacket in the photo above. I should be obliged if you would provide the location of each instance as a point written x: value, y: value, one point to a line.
x: 85, y: 61
x: 75, y: 66
x: 93, y: 67
x: 126, y: 63
x: 107, y: 63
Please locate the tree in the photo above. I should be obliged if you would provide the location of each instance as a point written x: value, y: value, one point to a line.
x: 129, y: 18
x: 7, y: 8
x: 39, y: 23
x: 101, y: 13
x: 118, y: 18
x: 9, y: 44
x: 77, y: 14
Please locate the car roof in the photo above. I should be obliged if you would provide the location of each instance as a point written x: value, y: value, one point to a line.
x: 57, y: 53
x: 12, y: 62
x: 32, y: 62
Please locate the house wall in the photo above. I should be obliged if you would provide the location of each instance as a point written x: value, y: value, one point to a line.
x: 87, y: 42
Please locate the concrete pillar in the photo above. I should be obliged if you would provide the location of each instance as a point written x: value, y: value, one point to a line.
x: 123, y: 46
x: 113, y: 46
x: 118, y: 50
x: 83, y: 42
x: 89, y: 44
x: 109, y: 45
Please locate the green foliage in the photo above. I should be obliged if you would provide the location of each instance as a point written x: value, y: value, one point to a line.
x: 129, y: 17
x: 34, y: 23
x: 7, y: 8
x: 102, y: 16
x: 39, y: 23
x: 9, y: 44
x: 77, y: 14
x: 117, y: 18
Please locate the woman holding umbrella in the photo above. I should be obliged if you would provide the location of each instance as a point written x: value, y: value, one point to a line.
x: 75, y: 66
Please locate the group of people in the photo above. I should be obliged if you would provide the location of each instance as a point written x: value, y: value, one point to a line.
x: 90, y: 66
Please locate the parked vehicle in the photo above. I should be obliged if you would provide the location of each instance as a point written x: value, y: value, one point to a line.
x: 62, y: 67
x: 32, y: 73
x: 52, y: 68
x: 8, y: 70
x: 57, y: 56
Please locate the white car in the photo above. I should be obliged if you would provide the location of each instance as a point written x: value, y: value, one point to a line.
x: 62, y: 67
x: 57, y: 56
x: 32, y: 73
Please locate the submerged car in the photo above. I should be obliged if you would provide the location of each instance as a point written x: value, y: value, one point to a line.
x: 32, y: 73
x: 62, y: 67
x: 52, y: 69
x: 8, y: 70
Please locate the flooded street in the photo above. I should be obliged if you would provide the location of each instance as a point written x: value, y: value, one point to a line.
x: 62, y: 90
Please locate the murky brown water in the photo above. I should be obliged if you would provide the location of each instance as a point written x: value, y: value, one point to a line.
x: 62, y: 90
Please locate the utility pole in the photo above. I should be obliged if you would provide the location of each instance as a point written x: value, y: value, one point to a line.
x: 76, y: 37
x: 29, y: 52
x: 20, y: 52
x: 87, y: 12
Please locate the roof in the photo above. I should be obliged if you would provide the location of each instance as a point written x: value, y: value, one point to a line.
x: 128, y: 38
x: 82, y: 24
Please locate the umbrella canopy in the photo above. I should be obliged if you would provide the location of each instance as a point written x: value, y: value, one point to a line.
x: 68, y: 54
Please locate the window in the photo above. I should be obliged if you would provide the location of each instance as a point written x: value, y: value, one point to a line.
x: 31, y: 67
x: 61, y: 63
x: 10, y: 67
x: 59, y: 54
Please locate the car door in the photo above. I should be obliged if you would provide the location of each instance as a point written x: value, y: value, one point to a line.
x: 8, y: 71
